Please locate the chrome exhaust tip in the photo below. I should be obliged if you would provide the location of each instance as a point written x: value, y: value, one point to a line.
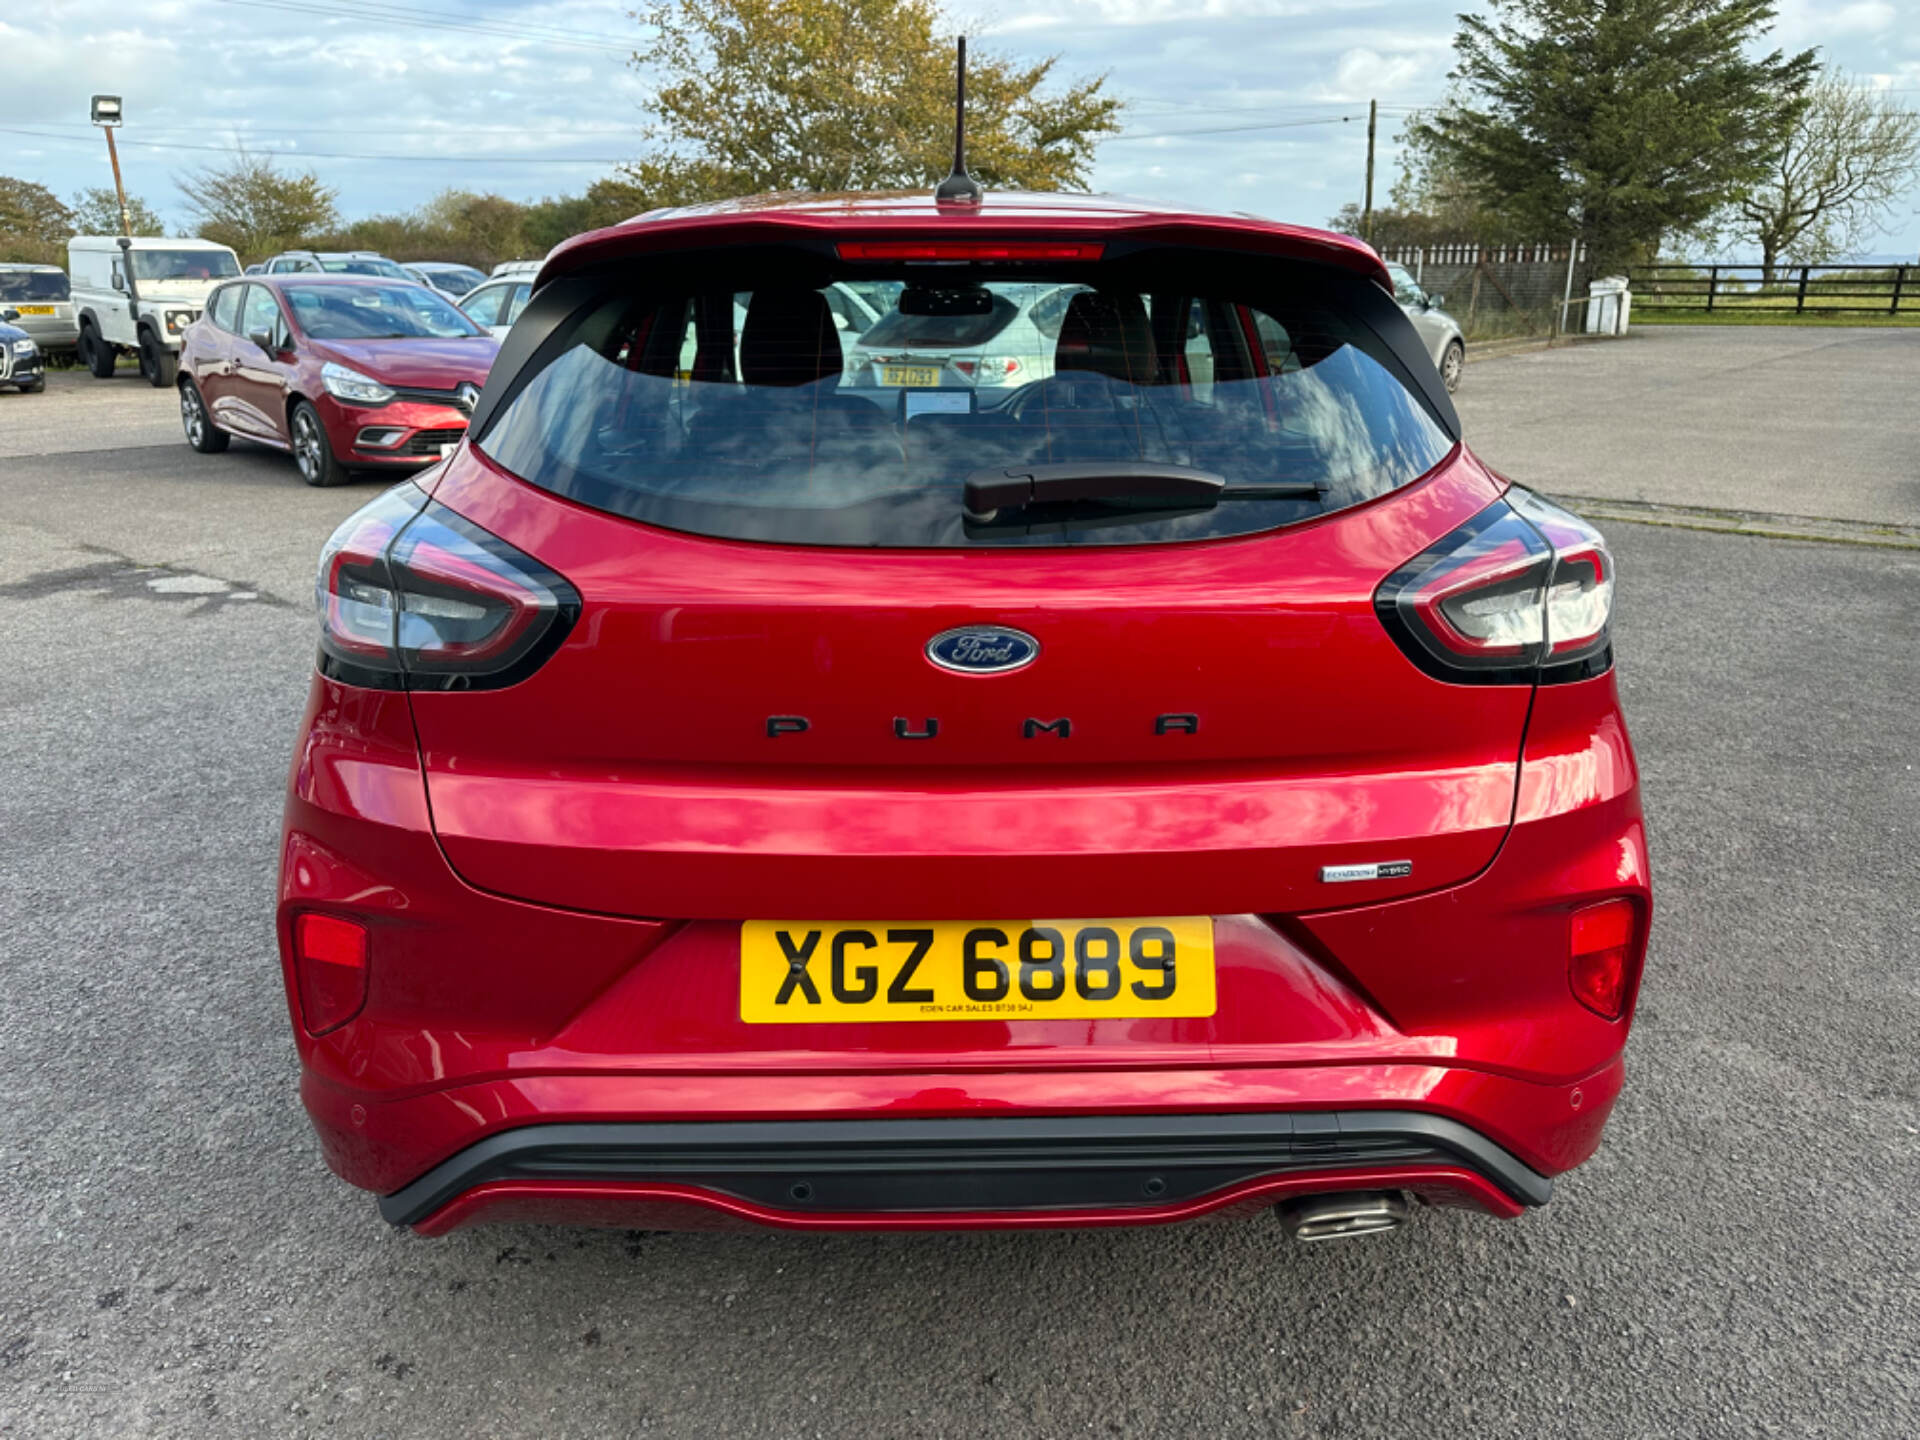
x: 1339, y: 1217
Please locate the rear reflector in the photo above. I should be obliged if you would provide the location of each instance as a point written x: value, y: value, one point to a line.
x: 971, y: 250
x: 330, y: 963
x: 1601, y: 969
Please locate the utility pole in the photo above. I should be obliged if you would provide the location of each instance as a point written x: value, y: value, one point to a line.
x: 1366, y: 215
x: 106, y: 114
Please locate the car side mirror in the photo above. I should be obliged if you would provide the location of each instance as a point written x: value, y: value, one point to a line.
x: 262, y: 338
x: 9, y: 314
x: 119, y: 282
x: 1435, y: 302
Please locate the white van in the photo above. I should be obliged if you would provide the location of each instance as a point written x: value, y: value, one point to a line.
x: 140, y: 295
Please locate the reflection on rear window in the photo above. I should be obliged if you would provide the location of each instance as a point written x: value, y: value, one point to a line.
x: 942, y: 331
x: 32, y: 285
x: 752, y: 410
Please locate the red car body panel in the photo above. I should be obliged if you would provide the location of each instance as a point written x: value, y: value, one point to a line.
x: 250, y: 392
x: 684, y: 806
x: 553, y: 874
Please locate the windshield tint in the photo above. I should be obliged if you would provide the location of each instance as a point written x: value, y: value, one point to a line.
x: 384, y: 269
x: 739, y: 406
x: 183, y: 264
x: 375, y: 312
x: 29, y: 285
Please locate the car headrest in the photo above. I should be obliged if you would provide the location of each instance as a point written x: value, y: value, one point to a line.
x: 788, y: 339
x: 1106, y: 333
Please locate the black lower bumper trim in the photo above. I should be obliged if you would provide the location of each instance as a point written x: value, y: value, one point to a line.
x: 994, y: 1163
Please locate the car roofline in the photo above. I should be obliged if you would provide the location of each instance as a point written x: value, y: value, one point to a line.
x: 773, y: 219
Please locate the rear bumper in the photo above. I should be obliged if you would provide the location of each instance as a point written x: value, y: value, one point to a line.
x: 515, y: 1061
x: 1003, y: 1170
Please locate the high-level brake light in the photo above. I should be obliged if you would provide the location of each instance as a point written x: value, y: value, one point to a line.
x: 977, y: 250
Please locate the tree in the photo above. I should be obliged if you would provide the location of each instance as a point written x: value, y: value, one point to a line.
x: 831, y: 95
x: 33, y: 212
x: 1620, y: 121
x: 606, y: 202
x: 253, y: 206
x: 1432, y: 204
x: 34, y: 225
x: 1850, y: 155
x: 97, y: 212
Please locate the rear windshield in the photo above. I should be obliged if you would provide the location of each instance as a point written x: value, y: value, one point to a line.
x: 740, y: 403
x: 376, y: 312
x: 33, y: 285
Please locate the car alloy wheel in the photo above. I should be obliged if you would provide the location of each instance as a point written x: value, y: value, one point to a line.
x: 205, y: 437
x: 309, y: 451
x: 1451, y: 364
x: 193, y: 416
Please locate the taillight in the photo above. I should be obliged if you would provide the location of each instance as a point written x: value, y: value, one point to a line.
x: 413, y: 596
x: 1519, y: 595
x: 330, y: 966
x: 1602, y: 956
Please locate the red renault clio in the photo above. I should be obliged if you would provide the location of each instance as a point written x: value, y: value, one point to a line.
x: 346, y: 373
x: 1147, y: 771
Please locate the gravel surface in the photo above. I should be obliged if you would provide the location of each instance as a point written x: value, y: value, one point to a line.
x: 1741, y: 1259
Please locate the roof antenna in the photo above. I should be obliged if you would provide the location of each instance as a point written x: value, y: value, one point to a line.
x: 959, y: 188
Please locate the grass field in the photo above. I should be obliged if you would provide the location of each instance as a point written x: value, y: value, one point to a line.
x: 1766, y: 315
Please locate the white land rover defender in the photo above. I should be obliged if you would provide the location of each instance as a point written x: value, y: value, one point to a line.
x: 140, y: 295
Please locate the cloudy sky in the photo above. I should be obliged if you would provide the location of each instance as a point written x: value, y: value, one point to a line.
x: 1236, y: 104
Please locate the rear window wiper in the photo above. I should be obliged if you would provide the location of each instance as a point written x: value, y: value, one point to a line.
x: 1133, y: 484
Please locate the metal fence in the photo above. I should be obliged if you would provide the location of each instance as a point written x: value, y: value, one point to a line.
x: 1499, y: 290
x: 1796, y: 289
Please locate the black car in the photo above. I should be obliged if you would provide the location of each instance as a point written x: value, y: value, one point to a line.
x: 20, y: 362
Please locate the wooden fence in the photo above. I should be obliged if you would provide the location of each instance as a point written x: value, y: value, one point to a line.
x: 1800, y: 289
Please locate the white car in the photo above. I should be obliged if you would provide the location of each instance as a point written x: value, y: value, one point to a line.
x: 1438, y: 331
x: 141, y: 295
x: 1011, y: 344
x: 497, y: 304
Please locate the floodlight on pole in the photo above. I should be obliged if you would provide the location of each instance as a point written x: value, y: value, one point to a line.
x: 107, y: 114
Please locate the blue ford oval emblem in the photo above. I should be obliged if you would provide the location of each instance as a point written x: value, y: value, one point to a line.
x: 982, y: 649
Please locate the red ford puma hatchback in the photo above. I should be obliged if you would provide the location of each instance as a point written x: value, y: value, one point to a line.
x: 1149, y: 770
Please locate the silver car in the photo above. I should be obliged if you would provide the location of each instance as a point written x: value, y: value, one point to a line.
x: 41, y: 295
x: 1438, y: 331
x: 450, y: 278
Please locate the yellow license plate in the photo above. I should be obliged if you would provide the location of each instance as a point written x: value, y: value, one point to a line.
x: 802, y: 971
x: 909, y: 374
x: 35, y: 309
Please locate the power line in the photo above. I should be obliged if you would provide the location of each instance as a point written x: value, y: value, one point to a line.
x: 340, y: 155
x: 432, y: 20
x: 370, y: 132
x: 1233, y: 129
